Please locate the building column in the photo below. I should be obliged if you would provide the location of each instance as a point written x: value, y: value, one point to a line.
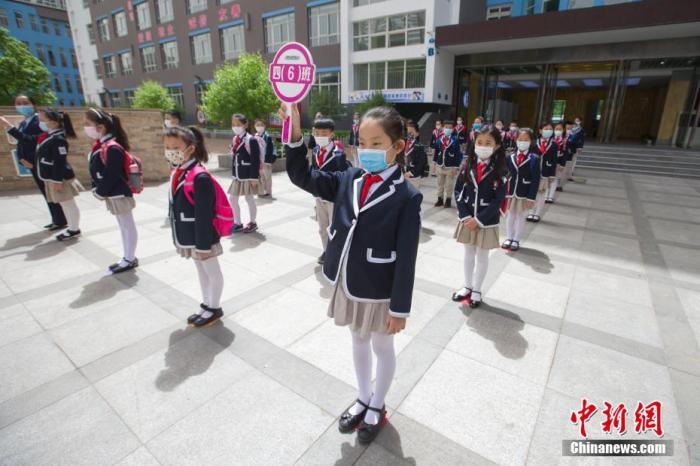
x: 674, y: 105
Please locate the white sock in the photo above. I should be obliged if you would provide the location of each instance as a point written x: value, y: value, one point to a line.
x: 511, y: 220
x: 520, y: 220
x: 383, y: 346
x: 469, y: 257
x: 203, y: 283
x: 129, y: 234
x: 482, y: 266
x: 552, y: 187
x: 70, y: 208
x: 252, y: 207
x: 215, y: 281
x: 362, y: 358
x: 235, y: 206
x: 539, y: 208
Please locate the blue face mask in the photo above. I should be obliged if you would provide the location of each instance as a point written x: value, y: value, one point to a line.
x: 26, y: 110
x: 44, y: 127
x: 372, y: 160
x: 477, y: 126
x: 447, y: 132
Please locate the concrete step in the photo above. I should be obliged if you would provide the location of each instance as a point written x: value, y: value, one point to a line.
x: 641, y: 160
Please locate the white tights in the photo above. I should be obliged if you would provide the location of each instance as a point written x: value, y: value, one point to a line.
x: 70, y: 208
x: 252, y: 208
x: 480, y: 256
x: 553, y: 183
x: 515, y: 224
x: 383, y: 346
x: 130, y: 236
x: 211, y: 280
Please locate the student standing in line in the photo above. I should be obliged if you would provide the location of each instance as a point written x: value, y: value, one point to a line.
x: 354, y: 141
x: 172, y: 118
x: 476, y: 129
x: 480, y: 191
x: 326, y: 157
x: 461, y: 132
x: 447, y: 159
x: 371, y: 254
x: 109, y: 179
x: 269, y: 158
x: 434, y: 136
x: 547, y: 151
x: 26, y: 135
x: 576, y: 141
x: 193, y: 211
x: 509, y: 141
x: 245, y: 151
x: 54, y: 170
x: 523, y: 184
x: 560, y: 140
x: 416, y: 159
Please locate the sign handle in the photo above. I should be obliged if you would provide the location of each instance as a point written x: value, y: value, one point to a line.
x: 287, y: 125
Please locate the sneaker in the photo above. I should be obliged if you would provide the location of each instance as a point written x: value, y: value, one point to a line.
x: 68, y: 234
x: 251, y: 227
x: 237, y: 227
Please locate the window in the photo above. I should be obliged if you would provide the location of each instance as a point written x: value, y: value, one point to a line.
x: 91, y: 33
x: 365, y: 2
x: 57, y: 84
x: 389, y: 31
x: 103, y: 27
x: 44, y: 25
x: 176, y: 93
x: 19, y: 20
x: 199, y: 90
x: 62, y: 56
x: 498, y: 12
x: 327, y: 82
x: 530, y: 7
x: 98, y: 71
x: 400, y: 74
x: 52, y: 57
x: 32, y: 22
x: 549, y: 6
x: 120, y: 27
x: 558, y: 108
x: 73, y: 58
x: 232, y: 42
x: 165, y: 11
x: 127, y: 63
x: 171, y: 58
x: 143, y: 16
x: 78, y: 85
x: 3, y: 18
x: 148, y: 58
x: 110, y: 66
x: 323, y: 24
x: 116, y: 99
x: 193, y: 6
x: 57, y: 27
x: 201, y: 48
x: 129, y: 97
x: 278, y: 30
x: 41, y: 53
x: 69, y: 84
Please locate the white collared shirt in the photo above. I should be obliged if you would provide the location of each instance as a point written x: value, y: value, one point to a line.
x: 385, y: 176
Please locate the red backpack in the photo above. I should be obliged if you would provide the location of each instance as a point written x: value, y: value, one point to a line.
x: 223, y: 213
x: 133, y: 171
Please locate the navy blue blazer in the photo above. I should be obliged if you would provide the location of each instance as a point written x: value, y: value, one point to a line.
x: 246, y: 166
x: 524, y: 178
x: 27, y: 134
x: 333, y: 161
x: 375, y: 246
x: 52, y: 157
x: 416, y: 161
x: 548, y: 157
x: 354, y: 139
x: 270, y: 152
x: 451, y: 157
x: 483, y: 200
x: 109, y: 179
x: 575, y: 140
x: 191, y: 224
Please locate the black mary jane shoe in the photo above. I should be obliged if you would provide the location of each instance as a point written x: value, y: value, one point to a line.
x: 461, y: 294
x: 113, y: 266
x: 54, y: 227
x: 507, y: 244
x: 349, y: 422
x: 475, y: 302
x: 530, y: 218
x: 129, y: 265
x: 536, y: 218
x: 193, y: 317
x: 549, y: 200
x: 202, y: 321
x: 366, y: 433
x: 68, y: 234
x: 514, y: 246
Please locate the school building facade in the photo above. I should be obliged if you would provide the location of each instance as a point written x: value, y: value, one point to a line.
x: 629, y: 69
x: 43, y: 27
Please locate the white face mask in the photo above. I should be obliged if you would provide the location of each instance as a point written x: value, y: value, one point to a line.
x: 513, y: 128
x: 483, y: 152
x: 260, y: 129
x: 523, y: 146
x: 322, y: 141
x: 168, y: 123
x: 91, y: 132
x: 176, y: 157
x: 578, y: 122
x: 238, y: 130
x: 355, y: 121
x: 558, y: 133
x: 547, y: 133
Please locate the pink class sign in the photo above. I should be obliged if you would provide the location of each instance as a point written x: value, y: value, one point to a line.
x: 291, y: 74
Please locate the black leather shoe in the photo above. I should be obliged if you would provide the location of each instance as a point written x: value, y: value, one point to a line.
x: 54, y: 227
x: 68, y: 234
x: 448, y: 203
x: 368, y: 432
x: 193, y: 317
x: 349, y: 422
x: 475, y: 302
x: 201, y: 321
x: 129, y: 265
x: 113, y: 266
x: 439, y: 202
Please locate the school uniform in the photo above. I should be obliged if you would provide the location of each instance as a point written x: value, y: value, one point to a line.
x: 480, y: 195
x: 268, y: 161
x: 524, y: 180
x: 547, y: 150
x: 109, y: 179
x: 191, y: 224
x: 434, y: 136
x: 354, y: 142
x: 416, y: 162
x: 327, y: 159
x: 27, y: 134
x: 461, y: 132
x: 246, y: 166
x: 372, y: 246
x: 562, y: 156
x: 53, y: 168
x: 447, y: 158
x: 575, y: 142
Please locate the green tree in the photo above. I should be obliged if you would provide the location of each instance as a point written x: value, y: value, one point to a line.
x: 152, y: 94
x: 326, y: 103
x: 240, y: 88
x: 375, y: 100
x: 22, y: 73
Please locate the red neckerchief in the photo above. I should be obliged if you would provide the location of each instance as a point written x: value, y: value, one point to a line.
x: 321, y: 156
x: 521, y: 157
x: 236, y: 143
x: 444, y: 142
x: 459, y: 128
x: 41, y: 138
x: 355, y: 129
x: 437, y: 133
x: 366, y: 184
x: 409, y: 145
x: 176, y: 178
x: 480, y: 169
x: 543, y: 145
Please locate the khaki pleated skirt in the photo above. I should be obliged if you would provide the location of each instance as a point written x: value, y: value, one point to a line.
x: 71, y: 188
x: 485, y: 238
x: 120, y: 205
x: 187, y: 253
x: 362, y: 317
x: 517, y: 205
x: 245, y: 188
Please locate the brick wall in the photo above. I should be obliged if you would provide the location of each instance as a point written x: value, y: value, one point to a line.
x: 144, y: 128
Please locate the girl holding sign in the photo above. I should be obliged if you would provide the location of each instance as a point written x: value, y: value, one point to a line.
x: 371, y: 253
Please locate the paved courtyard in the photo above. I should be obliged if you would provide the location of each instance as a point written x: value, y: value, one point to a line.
x: 603, y: 302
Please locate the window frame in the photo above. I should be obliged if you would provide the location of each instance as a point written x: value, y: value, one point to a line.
x: 271, y: 46
x: 169, y: 64
x: 196, y: 59
x: 316, y: 16
x: 239, y: 30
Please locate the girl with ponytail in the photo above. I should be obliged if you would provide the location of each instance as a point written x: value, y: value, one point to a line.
x: 192, y: 211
